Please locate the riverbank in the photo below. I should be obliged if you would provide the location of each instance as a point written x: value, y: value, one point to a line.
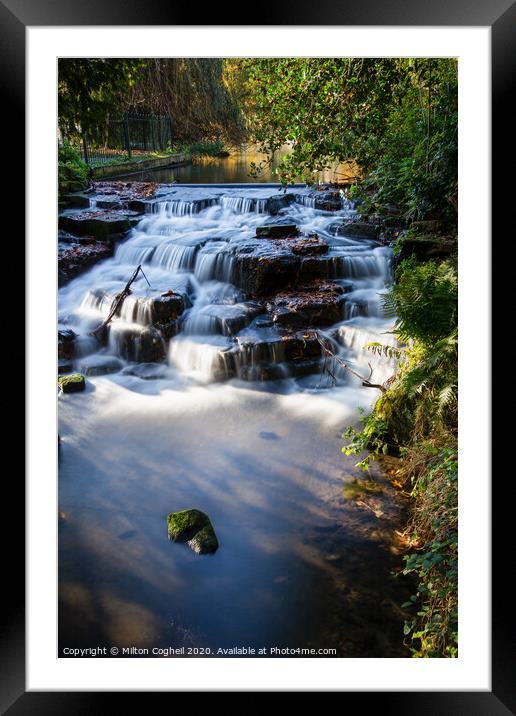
x: 416, y: 418
x: 137, y: 165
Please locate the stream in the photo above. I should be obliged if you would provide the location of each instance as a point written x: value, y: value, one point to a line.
x: 211, y: 392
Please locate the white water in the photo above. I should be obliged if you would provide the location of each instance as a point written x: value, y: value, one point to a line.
x: 262, y: 459
x: 187, y: 244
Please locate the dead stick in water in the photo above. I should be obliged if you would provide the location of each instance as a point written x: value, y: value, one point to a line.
x: 366, y: 383
x: 119, y: 299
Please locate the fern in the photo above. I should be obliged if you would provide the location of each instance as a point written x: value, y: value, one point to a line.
x: 380, y: 349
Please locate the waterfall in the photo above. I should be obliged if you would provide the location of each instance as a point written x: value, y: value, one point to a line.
x: 244, y: 205
x: 197, y: 309
x: 306, y: 200
x: 176, y: 207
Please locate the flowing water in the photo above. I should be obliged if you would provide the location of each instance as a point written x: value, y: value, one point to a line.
x: 219, y: 419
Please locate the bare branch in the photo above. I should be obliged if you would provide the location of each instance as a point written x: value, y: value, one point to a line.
x: 118, y: 301
x: 365, y: 382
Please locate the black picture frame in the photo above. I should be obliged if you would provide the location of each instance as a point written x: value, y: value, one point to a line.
x: 500, y: 15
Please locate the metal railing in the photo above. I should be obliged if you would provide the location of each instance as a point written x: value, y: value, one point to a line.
x: 131, y: 136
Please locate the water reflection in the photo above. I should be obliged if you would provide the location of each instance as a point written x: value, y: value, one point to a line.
x: 298, y: 565
x: 236, y: 169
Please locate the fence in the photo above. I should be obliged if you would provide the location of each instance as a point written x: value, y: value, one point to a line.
x: 131, y: 136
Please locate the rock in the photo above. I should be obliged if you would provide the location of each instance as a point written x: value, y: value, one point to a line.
x: 276, y: 231
x: 315, y: 304
x: 65, y: 343
x: 357, y: 229
x: 125, y: 190
x: 73, y: 383
x: 272, y: 354
x: 77, y: 199
x: 146, y: 371
x: 138, y: 205
x: 136, y: 343
x: 167, y: 307
x: 205, y: 541
x: 100, y: 365
x: 276, y: 203
x: 307, y: 246
x: 226, y: 319
x: 425, y: 246
x: 77, y: 258
x: 261, y: 266
x: 328, y: 201
x: 301, y: 368
x: 261, y: 272
x: 64, y: 365
x: 64, y: 237
x: 98, y: 223
x: 193, y: 527
x: 111, y: 202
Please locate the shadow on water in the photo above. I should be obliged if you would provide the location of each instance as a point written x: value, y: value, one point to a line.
x: 298, y: 565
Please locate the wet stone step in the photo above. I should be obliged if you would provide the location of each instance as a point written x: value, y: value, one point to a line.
x: 73, y: 259
x: 356, y: 229
x: 226, y: 319
x: 136, y: 343
x: 276, y: 231
x: 100, y: 224
x: 65, y: 238
x: 316, y: 304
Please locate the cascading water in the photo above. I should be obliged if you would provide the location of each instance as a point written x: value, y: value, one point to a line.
x: 204, y: 241
x: 208, y: 389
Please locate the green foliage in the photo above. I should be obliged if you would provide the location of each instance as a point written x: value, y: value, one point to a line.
x: 72, y: 171
x: 422, y: 399
x: 418, y: 413
x: 424, y: 299
x: 373, y: 438
x: 206, y: 148
x: 89, y: 89
x: 199, y: 94
x: 397, y: 118
x: 433, y: 628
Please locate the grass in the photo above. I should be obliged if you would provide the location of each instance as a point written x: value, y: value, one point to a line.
x: 198, y: 149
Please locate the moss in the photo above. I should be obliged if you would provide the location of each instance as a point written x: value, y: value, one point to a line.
x: 184, y: 524
x: 194, y: 527
x: 73, y: 383
x: 205, y: 541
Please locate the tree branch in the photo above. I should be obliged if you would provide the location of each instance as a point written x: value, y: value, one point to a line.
x: 118, y: 300
x: 365, y: 382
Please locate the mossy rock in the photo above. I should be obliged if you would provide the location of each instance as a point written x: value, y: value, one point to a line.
x: 73, y: 383
x: 193, y: 527
x: 425, y: 246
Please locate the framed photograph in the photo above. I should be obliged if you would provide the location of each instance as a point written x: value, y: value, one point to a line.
x: 264, y: 460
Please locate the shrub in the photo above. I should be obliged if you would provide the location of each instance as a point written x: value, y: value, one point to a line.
x: 73, y: 172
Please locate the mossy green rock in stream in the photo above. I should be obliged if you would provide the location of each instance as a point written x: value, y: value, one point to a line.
x: 193, y: 527
x: 73, y: 383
